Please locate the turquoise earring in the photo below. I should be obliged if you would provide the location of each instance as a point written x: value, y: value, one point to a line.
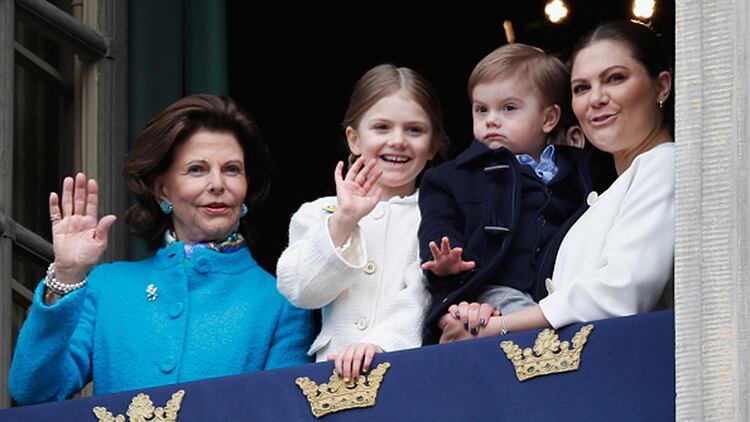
x: 166, y: 206
x: 244, y: 211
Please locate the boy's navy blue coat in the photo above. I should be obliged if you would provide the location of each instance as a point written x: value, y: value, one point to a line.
x: 473, y: 200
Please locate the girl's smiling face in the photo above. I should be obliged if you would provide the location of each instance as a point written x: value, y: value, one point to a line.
x: 396, y: 131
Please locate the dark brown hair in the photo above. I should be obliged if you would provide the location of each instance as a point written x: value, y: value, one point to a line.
x: 385, y: 80
x: 155, y: 149
x: 645, y: 47
x: 548, y: 76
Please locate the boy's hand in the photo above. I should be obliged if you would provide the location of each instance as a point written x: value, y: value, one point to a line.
x: 446, y: 261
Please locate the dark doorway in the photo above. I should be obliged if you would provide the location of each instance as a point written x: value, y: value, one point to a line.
x: 293, y: 67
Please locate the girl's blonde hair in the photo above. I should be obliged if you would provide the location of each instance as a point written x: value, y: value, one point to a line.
x: 385, y: 80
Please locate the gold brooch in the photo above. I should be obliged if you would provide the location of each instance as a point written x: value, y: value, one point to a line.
x: 338, y: 395
x: 329, y: 209
x: 142, y: 409
x: 549, y: 355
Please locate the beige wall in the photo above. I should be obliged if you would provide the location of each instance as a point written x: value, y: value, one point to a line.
x: 712, y: 255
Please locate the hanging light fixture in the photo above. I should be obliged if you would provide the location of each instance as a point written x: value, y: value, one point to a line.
x: 510, y: 35
x: 643, y: 9
x: 556, y: 11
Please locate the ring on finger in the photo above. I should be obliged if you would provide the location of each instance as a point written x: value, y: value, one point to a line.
x: 55, y: 216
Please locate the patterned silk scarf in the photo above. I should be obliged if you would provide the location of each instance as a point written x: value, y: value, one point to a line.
x: 234, y: 242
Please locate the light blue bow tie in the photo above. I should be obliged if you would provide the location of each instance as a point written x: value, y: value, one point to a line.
x: 546, y: 169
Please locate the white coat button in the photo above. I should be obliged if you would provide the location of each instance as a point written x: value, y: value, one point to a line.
x: 549, y: 285
x: 592, y: 198
x: 370, y: 267
x: 362, y: 323
x: 378, y: 212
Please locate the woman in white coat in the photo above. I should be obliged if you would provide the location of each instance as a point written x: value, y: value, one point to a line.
x: 618, y: 257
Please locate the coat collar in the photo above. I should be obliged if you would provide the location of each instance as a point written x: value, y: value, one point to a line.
x: 478, y: 151
x: 217, y: 263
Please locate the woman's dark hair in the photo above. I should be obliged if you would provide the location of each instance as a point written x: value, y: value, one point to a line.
x: 155, y: 149
x: 645, y: 46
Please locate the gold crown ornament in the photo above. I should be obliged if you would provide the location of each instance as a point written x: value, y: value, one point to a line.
x: 142, y: 409
x: 548, y: 356
x: 338, y: 395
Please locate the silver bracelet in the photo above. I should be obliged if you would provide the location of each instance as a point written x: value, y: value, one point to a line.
x: 60, y: 288
x: 503, y: 327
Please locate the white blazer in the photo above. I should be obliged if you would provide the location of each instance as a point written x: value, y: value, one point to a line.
x: 618, y: 257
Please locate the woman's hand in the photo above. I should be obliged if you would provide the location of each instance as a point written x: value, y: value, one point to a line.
x: 474, y: 316
x: 453, y: 329
x: 466, y: 320
x: 356, y: 197
x: 353, y: 357
x: 526, y: 319
x: 78, y: 239
x: 446, y: 261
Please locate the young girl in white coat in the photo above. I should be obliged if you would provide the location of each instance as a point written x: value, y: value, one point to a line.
x: 356, y: 255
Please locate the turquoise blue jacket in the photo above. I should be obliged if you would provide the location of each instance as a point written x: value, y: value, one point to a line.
x: 211, y: 316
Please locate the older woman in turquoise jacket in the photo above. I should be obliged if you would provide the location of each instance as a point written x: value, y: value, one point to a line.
x: 200, y: 307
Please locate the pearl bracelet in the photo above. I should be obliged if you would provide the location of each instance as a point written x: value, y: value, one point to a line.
x: 60, y: 288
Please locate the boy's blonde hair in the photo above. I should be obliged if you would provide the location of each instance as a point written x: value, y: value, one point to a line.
x: 548, y: 76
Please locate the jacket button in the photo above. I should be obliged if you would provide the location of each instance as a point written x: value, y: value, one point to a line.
x: 167, y: 365
x: 202, y: 265
x: 592, y: 198
x: 176, y: 310
x: 496, y: 229
x: 362, y: 323
x: 496, y: 167
x: 370, y: 267
x: 542, y: 221
x: 378, y: 212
